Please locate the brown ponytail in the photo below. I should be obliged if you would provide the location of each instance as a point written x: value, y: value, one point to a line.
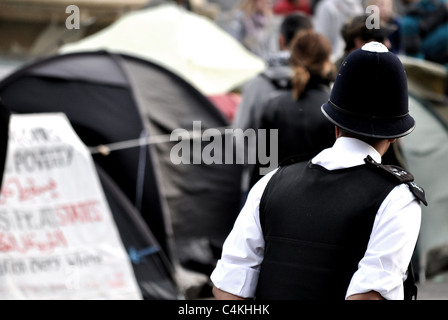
x: 300, y: 79
x: 310, y: 55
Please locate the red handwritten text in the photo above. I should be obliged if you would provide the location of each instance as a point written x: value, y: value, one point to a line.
x: 14, y: 188
x: 24, y: 243
x: 83, y: 212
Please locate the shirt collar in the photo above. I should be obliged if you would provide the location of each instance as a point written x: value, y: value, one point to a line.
x: 346, y: 153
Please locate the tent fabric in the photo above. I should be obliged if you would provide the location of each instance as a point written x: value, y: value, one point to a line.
x: 111, y: 98
x: 80, y: 70
x: 5, y: 71
x: 425, y: 154
x: 190, y: 190
x: 190, y: 45
x: 152, y: 269
x: 86, y: 104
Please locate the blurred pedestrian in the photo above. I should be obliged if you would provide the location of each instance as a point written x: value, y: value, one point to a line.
x: 356, y: 34
x: 314, y: 4
x: 276, y: 77
x: 283, y: 7
x: 424, y: 27
x: 390, y: 18
x: 253, y: 24
x: 302, y: 128
x: 329, y: 18
x: 225, y: 5
x: 341, y: 225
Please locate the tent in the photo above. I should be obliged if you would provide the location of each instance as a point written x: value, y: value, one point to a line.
x: 153, y: 271
x: 8, y: 65
x: 116, y: 98
x: 425, y: 153
x: 188, y: 44
x: 5, y: 70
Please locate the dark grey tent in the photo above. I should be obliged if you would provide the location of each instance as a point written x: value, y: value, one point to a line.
x: 425, y: 153
x: 151, y: 268
x: 111, y: 98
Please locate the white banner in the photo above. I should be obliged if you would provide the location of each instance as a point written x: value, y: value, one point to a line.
x: 58, y: 239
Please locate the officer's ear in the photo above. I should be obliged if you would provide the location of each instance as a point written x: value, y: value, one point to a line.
x: 338, y: 132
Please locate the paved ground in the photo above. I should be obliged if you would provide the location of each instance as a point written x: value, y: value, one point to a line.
x: 435, y: 288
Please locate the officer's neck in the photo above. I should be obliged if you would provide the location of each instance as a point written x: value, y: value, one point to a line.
x: 380, y: 145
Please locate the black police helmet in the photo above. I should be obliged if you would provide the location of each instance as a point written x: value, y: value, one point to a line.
x: 370, y: 95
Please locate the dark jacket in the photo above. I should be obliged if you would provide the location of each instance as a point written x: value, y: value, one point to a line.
x: 258, y: 90
x: 303, y: 130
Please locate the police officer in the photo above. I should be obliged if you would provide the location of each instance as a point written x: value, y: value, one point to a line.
x: 343, y: 225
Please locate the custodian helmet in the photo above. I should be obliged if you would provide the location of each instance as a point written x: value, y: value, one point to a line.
x: 370, y: 95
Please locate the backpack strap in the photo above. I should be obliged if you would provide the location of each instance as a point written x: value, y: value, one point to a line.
x: 400, y: 175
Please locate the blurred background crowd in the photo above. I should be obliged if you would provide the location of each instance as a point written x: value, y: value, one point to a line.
x: 415, y: 27
x: 249, y: 58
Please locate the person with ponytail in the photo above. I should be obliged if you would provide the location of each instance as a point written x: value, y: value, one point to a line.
x: 302, y: 128
x: 310, y: 60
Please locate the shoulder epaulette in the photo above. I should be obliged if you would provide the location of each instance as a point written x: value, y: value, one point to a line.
x: 400, y: 175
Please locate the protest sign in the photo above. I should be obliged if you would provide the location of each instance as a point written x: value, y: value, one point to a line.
x: 58, y: 239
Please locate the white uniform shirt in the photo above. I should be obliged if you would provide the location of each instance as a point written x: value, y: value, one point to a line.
x: 384, y: 265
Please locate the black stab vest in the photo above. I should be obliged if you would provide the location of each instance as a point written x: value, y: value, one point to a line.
x: 317, y: 224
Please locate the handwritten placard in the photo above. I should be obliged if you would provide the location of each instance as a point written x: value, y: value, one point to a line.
x: 58, y: 239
